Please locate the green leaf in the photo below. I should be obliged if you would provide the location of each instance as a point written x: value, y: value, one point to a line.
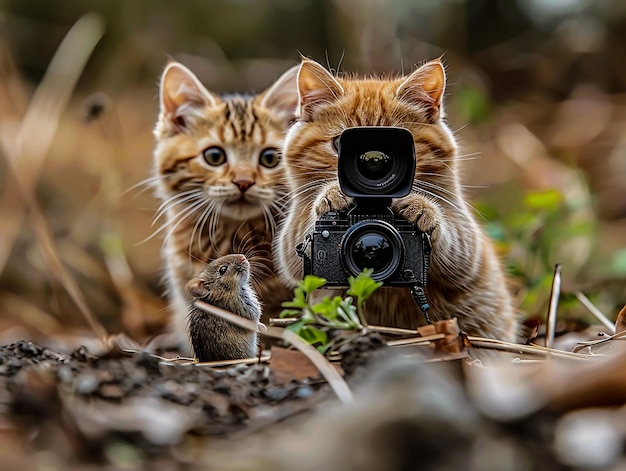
x: 295, y: 304
x: 548, y: 200
x: 327, y: 308
x: 290, y: 312
x: 313, y: 335
x: 311, y: 283
x: 296, y: 327
x: 347, y: 310
x: 298, y: 301
x: 363, y: 286
x: 323, y: 348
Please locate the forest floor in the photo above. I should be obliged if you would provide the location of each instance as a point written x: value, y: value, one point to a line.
x: 432, y: 404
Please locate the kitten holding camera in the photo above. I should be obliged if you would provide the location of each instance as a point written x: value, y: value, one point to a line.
x: 347, y: 221
x: 374, y: 165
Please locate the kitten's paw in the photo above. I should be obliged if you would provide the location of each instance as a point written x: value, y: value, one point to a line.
x: 419, y: 211
x: 331, y: 199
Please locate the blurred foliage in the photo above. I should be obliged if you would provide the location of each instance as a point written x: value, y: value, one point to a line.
x: 540, y: 231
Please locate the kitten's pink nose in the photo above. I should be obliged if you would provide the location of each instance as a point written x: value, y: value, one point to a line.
x: 243, y: 183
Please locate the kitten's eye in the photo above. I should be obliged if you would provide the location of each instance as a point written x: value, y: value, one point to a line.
x: 336, y: 143
x: 269, y: 158
x: 214, y: 155
x: 223, y: 269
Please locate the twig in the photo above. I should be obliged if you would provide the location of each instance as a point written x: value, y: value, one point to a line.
x: 280, y: 322
x: 392, y: 330
x: 334, y: 379
x: 481, y: 342
x: 584, y: 300
x: 241, y: 361
x: 415, y: 340
x: 230, y: 317
x: 329, y: 372
x: 552, y: 307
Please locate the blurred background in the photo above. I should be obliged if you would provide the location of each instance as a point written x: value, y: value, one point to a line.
x: 536, y: 97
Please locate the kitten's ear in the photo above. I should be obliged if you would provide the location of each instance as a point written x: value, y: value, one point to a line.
x: 282, y: 96
x: 181, y: 91
x: 315, y: 86
x: 425, y: 86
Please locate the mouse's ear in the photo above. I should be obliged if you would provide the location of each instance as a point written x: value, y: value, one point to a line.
x: 196, y: 288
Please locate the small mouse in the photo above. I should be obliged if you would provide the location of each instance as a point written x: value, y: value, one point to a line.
x: 224, y: 282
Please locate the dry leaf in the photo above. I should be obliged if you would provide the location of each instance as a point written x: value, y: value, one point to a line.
x: 286, y: 365
x: 620, y: 323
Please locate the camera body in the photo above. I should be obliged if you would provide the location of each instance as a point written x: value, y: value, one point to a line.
x: 343, y: 244
x: 375, y: 164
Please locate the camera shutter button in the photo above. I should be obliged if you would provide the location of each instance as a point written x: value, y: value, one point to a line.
x: 325, y: 234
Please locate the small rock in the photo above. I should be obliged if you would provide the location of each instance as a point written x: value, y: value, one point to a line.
x: 86, y: 383
x: 111, y: 391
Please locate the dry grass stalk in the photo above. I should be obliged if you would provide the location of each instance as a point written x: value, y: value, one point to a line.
x: 553, y: 306
x: 391, y: 330
x: 481, y: 342
x: 42, y: 117
x: 48, y: 246
x: 327, y: 370
x: 413, y: 341
x: 584, y: 300
x: 26, y: 155
x: 278, y: 322
x: 242, y: 361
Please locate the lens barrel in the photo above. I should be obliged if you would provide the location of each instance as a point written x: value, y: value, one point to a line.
x: 372, y: 244
x: 376, y: 161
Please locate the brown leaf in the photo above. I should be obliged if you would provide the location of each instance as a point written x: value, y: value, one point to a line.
x: 286, y: 365
x: 620, y: 323
x: 530, y: 329
x: 452, y: 342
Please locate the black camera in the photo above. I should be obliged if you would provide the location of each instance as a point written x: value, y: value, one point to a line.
x: 375, y: 164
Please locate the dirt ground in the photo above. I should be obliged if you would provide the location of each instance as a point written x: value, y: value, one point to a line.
x: 419, y: 406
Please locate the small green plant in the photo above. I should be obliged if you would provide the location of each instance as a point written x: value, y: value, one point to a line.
x: 336, y: 313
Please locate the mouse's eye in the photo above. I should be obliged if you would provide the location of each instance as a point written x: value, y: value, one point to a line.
x: 223, y: 269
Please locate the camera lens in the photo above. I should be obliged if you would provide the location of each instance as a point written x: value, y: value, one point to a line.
x: 376, y: 161
x: 371, y: 250
x: 374, y: 165
x: 372, y: 244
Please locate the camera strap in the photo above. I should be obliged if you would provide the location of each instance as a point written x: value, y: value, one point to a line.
x: 417, y: 288
x: 301, y: 251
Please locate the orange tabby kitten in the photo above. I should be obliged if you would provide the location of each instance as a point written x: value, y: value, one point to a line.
x: 465, y: 279
x: 219, y: 173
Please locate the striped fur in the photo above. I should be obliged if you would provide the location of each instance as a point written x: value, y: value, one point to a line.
x: 207, y: 212
x: 466, y: 280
